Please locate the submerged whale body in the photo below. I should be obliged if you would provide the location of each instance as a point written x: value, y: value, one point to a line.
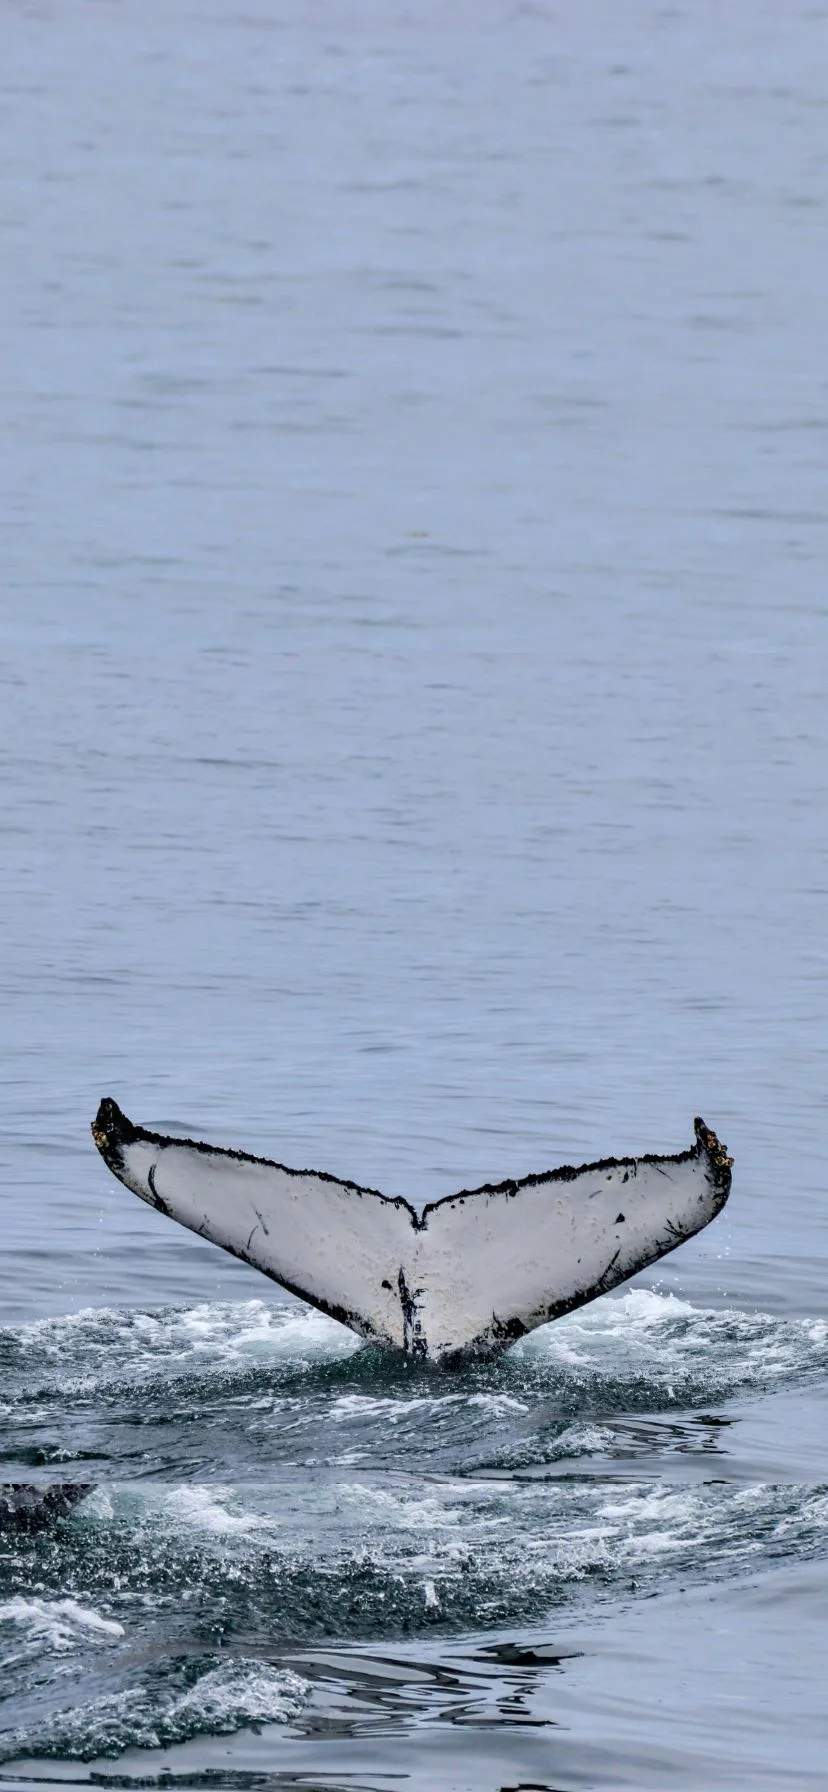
x: 26, y: 1507
x: 468, y: 1275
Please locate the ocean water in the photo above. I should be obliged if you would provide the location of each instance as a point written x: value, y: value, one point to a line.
x: 413, y: 663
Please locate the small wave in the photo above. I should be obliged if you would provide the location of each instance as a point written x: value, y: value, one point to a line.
x: 336, y: 1556
x: 198, y: 1390
x: 33, y: 1626
x: 175, y: 1704
x: 389, y: 1408
x: 626, y: 1341
x: 657, y: 1344
x: 207, y: 1509
x: 350, y: 1556
x: 99, y: 1347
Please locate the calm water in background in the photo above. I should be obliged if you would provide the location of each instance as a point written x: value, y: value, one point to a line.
x: 414, y: 764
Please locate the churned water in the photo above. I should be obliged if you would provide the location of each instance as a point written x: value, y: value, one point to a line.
x: 414, y: 765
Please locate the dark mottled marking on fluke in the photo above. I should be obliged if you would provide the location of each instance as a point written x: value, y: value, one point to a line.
x: 619, y: 1219
x: 503, y: 1333
x: 508, y: 1330
x: 414, y: 1343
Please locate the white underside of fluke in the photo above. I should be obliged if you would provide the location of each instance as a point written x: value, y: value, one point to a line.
x: 472, y: 1273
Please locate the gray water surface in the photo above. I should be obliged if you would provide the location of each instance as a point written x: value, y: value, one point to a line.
x: 414, y: 764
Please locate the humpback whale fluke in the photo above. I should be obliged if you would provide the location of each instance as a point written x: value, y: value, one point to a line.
x: 468, y: 1275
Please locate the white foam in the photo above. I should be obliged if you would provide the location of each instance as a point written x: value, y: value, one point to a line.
x: 99, y: 1346
x: 385, y: 1510
x: 205, y: 1509
x: 645, y: 1335
x: 227, y: 1697
x: 817, y: 1516
x: 642, y: 1334
x: 498, y: 1403
x: 638, y: 1311
x: 99, y: 1504
x: 581, y: 1440
x: 349, y: 1407
x: 223, y: 1699
x: 354, y: 1408
x: 650, y: 1502
x: 57, y: 1624
x: 478, y: 1542
x: 358, y: 1406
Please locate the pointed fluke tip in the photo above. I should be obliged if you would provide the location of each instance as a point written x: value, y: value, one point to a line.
x: 717, y: 1155
x: 111, y: 1128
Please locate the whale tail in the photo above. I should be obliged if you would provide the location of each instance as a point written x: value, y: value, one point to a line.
x: 468, y: 1275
